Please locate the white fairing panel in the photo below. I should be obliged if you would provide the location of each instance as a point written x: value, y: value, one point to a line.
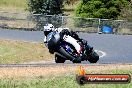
x: 72, y: 41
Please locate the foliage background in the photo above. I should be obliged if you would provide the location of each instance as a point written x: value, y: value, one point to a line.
x: 105, y: 9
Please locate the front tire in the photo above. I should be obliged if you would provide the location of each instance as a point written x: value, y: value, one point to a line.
x: 59, y: 59
x: 93, y: 57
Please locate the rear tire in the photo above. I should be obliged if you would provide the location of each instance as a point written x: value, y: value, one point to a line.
x: 59, y: 59
x: 76, y: 61
x: 51, y: 52
x: 93, y: 57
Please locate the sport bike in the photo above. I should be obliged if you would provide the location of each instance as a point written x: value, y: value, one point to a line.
x: 65, y: 51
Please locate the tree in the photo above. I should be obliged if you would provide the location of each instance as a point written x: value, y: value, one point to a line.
x: 49, y: 7
x: 108, y: 9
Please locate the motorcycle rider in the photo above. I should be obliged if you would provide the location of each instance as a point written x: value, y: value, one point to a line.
x: 68, y: 36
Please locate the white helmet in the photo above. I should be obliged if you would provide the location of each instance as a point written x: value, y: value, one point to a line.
x: 48, y: 28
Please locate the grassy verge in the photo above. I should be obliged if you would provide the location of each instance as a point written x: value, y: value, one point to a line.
x: 65, y: 81
x: 13, y: 5
x: 19, y: 52
x: 18, y: 24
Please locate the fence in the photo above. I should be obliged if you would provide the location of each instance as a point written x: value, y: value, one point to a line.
x: 36, y: 22
x: 16, y: 21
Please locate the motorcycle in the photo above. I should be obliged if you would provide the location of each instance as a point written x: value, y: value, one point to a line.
x: 65, y: 51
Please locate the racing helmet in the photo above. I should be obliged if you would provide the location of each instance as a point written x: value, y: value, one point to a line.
x: 48, y: 28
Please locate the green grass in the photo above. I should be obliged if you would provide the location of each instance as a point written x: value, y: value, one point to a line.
x: 66, y: 81
x: 19, y: 52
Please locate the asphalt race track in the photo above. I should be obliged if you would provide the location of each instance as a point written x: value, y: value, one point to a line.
x: 31, y: 36
x: 111, y: 48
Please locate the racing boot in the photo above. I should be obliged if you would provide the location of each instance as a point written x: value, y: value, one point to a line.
x: 84, y: 42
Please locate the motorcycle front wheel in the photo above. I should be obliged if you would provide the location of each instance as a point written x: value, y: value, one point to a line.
x: 93, y: 57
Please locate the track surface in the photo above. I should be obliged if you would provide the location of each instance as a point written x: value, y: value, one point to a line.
x: 118, y: 48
